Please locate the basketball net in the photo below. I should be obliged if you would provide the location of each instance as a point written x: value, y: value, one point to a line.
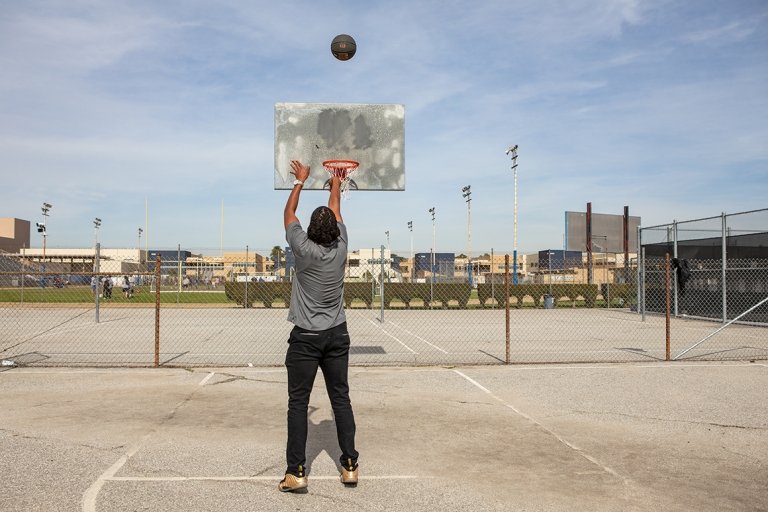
x: 342, y: 169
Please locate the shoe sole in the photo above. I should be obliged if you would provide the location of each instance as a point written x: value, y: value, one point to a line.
x: 297, y: 490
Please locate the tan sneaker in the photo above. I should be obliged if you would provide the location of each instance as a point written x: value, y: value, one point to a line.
x: 293, y: 483
x: 349, y: 474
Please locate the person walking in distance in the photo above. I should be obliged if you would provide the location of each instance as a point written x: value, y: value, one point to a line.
x: 319, y: 337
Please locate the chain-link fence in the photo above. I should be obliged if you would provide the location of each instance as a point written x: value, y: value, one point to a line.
x: 719, y: 284
x: 174, y: 308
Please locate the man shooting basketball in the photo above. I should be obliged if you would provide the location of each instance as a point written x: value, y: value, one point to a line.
x: 319, y: 337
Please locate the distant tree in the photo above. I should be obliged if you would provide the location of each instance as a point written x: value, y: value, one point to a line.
x: 277, y: 253
x: 277, y: 256
x: 462, y: 256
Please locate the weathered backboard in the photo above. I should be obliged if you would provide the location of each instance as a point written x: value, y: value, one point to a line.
x: 373, y: 135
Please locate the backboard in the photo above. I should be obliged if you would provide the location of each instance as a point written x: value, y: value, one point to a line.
x: 371, y: 134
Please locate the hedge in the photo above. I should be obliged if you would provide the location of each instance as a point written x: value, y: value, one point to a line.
x: 587, y: 292
x: 437, y: 294
x: 267, y: 293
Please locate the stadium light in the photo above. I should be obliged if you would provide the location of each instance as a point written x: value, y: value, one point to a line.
x: 96, y: 226
x: 467, y: 195
x: 512, y: 153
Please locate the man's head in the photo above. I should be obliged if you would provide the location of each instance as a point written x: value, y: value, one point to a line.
x: 323, y: 229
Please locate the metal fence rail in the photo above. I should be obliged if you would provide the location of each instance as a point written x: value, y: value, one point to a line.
x: 173, y: 313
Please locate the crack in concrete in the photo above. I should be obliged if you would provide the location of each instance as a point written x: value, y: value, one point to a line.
x: 22, y: 435
x: 672, y: 420
x: 234, y: 378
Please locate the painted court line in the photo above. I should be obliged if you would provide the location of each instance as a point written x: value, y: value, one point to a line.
x: 417, y: 336
x: 621, y: 366
x: 393, y: 337
x: 245, y: 478
x: 207, y: 378
x: 89, y: 498
x: 549, y: 431
x: 92, y: 493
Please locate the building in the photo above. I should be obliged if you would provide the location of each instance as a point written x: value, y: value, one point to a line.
x: 71, y: 261
x: 14, y: 234
x: 242, y: 266
x: 559, y: 266
x: 444, y: 265
x: 365, y: 265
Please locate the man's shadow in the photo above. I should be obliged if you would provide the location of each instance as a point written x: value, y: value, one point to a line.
x: 321, y: 437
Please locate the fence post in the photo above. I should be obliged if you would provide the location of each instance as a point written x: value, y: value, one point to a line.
x: 96, y: 269
x: 157, y: 310
x: 637, y: 271
x: 668, y: 295
x: 506, y: 302
x: 178, y: 274
x: 642, y: 283
x: 381, y: 284
x: 245, y: 301
x: 493, y: 278
x: 23, y: 273
x: 674, y: 283
x: 724, y: 243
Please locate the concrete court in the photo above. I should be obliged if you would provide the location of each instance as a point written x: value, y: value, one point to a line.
x: 638, y: 437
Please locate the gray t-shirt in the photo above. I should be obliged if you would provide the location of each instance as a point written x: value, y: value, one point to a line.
x: 317, y: 296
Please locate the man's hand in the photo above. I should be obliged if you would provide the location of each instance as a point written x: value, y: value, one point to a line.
x: 300, y: 170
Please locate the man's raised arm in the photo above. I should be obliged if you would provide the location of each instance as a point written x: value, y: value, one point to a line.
x: 334, y: 202
x: 301, y: 172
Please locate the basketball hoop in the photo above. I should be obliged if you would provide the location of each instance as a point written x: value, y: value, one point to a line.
x: 343, y: 170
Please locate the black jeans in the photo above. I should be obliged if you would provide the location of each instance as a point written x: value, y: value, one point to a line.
x: 329, y: 350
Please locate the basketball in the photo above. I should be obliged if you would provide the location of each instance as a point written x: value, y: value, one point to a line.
x: 343, y: 47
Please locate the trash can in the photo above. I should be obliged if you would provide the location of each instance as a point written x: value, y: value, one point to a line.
x: 549, y: 301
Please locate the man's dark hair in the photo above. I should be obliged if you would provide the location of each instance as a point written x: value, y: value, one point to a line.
x: 323, y: 229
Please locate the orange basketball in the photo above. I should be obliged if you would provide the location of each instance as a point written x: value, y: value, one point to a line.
x: 343, y: 47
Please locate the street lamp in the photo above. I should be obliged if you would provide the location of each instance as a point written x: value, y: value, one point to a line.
x: 432, y: 270
x: 96, y: 226
x: 413, y: 263
x: 467, y: 195
x: 512, y: 152
x: 388, y: 247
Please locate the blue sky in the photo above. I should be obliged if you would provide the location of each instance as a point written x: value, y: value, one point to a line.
x: 659, y: 104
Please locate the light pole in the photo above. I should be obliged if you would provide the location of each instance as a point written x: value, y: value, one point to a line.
x: 413, y: 263
x: 139, y: 246
x: 390, y: 255
x: 512, y: 152
x: 42, y: 228
x: 467, y: 195
x: 96, y: 226
x: 549, y: 269
x: 432, y: 269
